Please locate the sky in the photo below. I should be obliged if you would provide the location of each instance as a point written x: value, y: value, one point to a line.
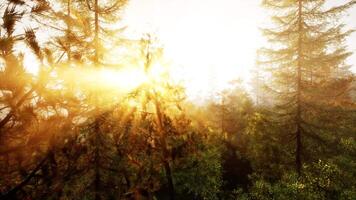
x: 210, y: 41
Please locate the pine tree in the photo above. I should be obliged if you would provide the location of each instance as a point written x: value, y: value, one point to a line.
x: 102, y: 14
x: 304, y: 61
x: 24, y: 111
x: 73, y: 40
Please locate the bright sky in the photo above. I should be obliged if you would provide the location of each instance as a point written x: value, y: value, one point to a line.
x: 212, y: 41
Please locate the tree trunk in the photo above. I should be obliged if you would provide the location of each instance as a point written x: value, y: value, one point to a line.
x: 96, y: 36
x: 97, y: 161
x: 298, y: 161
x: 166, y: 154
x: 69, y: 53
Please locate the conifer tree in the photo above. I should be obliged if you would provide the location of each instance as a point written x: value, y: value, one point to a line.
x: 24, y: 109
x: 305, y: 60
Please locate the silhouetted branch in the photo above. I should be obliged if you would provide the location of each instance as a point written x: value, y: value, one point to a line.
x: 11, y: 193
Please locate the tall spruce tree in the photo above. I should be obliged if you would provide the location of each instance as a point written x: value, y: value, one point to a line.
x: 309, y: 77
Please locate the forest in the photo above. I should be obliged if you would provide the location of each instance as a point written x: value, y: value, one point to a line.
x: 89, y: 112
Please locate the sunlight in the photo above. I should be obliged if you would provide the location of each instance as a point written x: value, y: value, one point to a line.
x: 126, y: 80
x: 177, y: 99
x: 116, y: 80
x: 31, y: 63
x: 203, y: 38
x: 119, y: 81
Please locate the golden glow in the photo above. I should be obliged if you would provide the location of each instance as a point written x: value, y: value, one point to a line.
x: 121, y: 79
x: 124, y: 80
x: 210, y: 42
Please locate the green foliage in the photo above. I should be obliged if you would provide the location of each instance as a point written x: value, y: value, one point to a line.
x: 321, y: 180
x: 264, y: 151
x: 199, y: 175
